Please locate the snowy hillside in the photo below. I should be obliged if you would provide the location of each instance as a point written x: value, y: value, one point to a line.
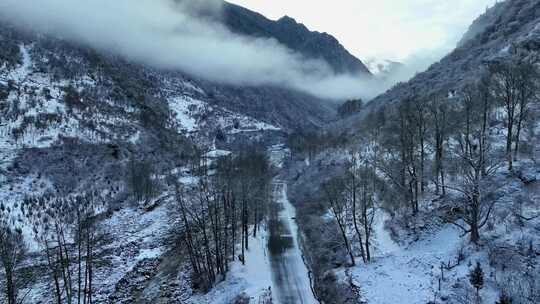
x: 69, y: 128
x: 424, y: 257
x: 395, y: 187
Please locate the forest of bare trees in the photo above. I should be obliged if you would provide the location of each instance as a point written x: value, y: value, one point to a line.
x: 457, y: 129
x: 221, y: 210
x: 67, y: 234
x: 352, y: 201
x: 65, y: 229
x: 442, y: 142
x: 224, y: 207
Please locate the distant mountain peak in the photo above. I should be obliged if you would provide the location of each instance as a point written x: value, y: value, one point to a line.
x: 287, y: 19
x: 382, y: 67
x: 294, y: 35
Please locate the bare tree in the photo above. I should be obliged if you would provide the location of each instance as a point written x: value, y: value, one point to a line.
x: 222, y: 206
x: 477, y: 163
x: 65, y: 228
x: 420, y: 120
x: 392, y: 157
x: 361, y: 195
x: 506, y: 89
x: 12, y: 251
x: 438, y: 118
x: 140, y: 180
x: 409, y: 143
x: 334, y: 191
x: 527, y: 87
x: 368, y: 204
x: 352, y: 186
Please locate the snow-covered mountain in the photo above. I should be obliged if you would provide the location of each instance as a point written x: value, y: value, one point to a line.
x: 383, y: 68
x: 507, y: 27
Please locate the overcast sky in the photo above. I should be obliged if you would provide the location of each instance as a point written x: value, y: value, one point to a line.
x: 384, y: 29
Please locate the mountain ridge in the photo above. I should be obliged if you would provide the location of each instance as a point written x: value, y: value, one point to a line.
x: 294, y: 35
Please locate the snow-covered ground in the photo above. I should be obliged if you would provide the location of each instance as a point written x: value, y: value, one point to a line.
x: 410, y: 273
x: 405, y: 274
x: 278, y: 154
x: 253, y: 279
x: 193, y: 114
x: 185, y: 109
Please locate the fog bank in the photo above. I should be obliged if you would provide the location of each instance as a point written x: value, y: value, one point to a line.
x: 173, y: 35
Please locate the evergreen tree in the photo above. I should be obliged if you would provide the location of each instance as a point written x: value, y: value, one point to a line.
x: 476, y: 277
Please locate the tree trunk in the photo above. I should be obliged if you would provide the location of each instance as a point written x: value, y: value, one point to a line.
x: 79, y: 259
x: 368, y: 236
x: 422, y: 159
x: 475, y: 234
x: 355, y: 219
x: 475, y: 214
x: 65, y: 262
x: 347, y: 244
x: 246, y: 226
x: 10, y: 287
x: 443, y: 185
x: 233, y: 228
x: 54, y: 272
x: 518, y: 135
x: 509, y: 136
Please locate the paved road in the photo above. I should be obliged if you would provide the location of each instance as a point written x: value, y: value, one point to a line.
x: 289, y: 274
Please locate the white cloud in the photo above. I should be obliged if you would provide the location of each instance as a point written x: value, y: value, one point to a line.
x: 173, y: 34
x: 169, y: 35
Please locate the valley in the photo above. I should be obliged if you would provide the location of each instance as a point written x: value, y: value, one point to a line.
x: 202, y: 153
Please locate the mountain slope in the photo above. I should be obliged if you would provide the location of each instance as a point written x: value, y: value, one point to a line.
x: 506, y: 28
x: 297, y: 37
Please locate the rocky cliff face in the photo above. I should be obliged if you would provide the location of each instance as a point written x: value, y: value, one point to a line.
x: 296, y: 36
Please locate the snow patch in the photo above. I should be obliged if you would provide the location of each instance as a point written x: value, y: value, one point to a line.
x: 253, y: 279
x: 406, y: 275
x: 185, y: 109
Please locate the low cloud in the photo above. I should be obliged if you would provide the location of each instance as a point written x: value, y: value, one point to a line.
x: 416, y: 63
x: 177, y: 35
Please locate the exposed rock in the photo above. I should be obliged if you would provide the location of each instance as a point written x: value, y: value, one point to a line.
x: 296, y: 36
